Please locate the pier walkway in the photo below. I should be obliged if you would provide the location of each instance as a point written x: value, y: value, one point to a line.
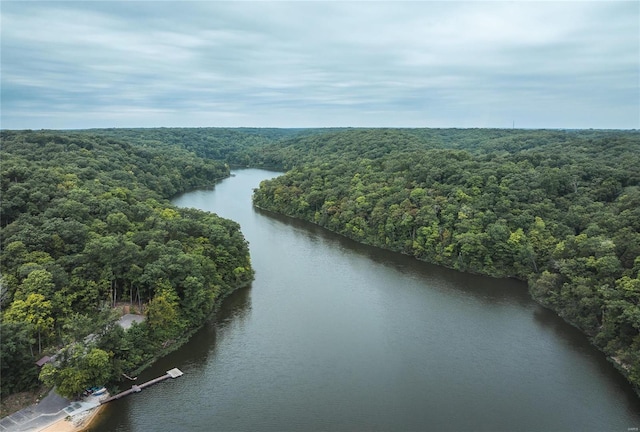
x: 173, y: 373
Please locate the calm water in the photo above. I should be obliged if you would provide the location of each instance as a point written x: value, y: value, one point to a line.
x: 336, y: 336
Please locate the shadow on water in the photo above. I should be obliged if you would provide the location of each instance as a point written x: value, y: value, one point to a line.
x: 235, y: 308
x: 487, y: 290
x: 484, y: 288
x: 578, y: 342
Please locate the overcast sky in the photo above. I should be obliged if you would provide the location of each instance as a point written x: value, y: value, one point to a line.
x: 314, y: 64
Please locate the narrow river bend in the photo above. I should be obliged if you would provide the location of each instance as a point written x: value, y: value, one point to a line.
x: 337, y: 336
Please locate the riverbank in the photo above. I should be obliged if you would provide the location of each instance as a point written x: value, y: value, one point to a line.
x: 45, y: 410
x: 78, y: 423
x: 54, y: 413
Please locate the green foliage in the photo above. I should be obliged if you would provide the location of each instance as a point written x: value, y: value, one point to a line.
x: 86, y: 225
x: 162, y: 312
x: 17, y: 362
x: 236, y: 146
x: 36, y: 311
x: 79, y: 369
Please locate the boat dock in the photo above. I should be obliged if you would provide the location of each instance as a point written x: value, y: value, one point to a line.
x: 173, y: 373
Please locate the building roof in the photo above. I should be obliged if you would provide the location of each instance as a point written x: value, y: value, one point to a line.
x: 44, y: 360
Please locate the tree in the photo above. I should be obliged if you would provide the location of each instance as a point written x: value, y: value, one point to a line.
x: 80, y: 369
x: 163, y: 313
x: 17, y: 363
x: 38, y: 281
x: 34, y: 310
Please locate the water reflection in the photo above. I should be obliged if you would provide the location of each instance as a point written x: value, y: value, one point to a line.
x: 486, y: 289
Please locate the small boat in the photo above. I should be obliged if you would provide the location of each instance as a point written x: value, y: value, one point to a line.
x: 99, y: 391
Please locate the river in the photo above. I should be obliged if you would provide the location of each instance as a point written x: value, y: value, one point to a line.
x: 336, y: 336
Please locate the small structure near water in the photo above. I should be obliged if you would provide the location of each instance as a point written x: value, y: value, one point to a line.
x: 173, y: 373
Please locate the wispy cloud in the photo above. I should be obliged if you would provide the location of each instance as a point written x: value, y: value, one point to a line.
x: 180, y: 63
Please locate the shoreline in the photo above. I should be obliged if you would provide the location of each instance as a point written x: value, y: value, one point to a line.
x: 623, y: 368
x: 78, y: 423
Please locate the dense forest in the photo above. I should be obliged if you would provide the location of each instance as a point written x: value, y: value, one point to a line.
x: 87, y: 227
x: 559, y: 209
x: 234, y: 146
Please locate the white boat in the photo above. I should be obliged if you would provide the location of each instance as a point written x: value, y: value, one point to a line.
x: 100, y: 391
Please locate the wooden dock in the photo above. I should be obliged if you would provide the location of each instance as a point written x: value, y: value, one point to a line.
x: 173, y: 373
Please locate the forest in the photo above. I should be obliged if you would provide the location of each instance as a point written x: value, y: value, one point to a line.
x: 86, y: 225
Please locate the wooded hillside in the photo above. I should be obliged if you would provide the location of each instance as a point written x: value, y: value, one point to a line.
x: 86, y: 224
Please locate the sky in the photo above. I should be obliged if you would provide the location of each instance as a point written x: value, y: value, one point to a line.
x: 546, y: 64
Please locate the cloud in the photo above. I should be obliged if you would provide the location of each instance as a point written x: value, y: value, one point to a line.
x: 296, y: 64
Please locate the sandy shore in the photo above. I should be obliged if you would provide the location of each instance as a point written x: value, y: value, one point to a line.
x: 77, y: 423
